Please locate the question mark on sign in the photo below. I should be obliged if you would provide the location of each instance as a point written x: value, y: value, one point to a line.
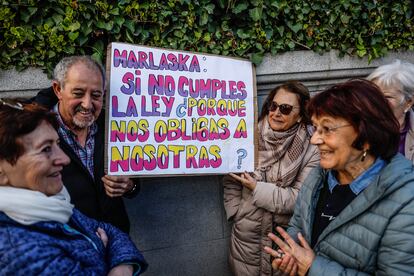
x: 242, y: 154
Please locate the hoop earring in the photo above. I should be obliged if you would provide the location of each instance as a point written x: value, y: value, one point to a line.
x: 363, y: 156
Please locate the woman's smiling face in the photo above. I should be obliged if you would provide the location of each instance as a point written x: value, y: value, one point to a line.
x: 282, y: 122
x: 39, y: 167
x: 334, y: 138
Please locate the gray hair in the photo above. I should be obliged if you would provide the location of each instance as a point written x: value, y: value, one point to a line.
x: 61, y: 70
x: 399, y: 74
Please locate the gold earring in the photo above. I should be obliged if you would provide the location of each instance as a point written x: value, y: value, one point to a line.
x: 363, y: 156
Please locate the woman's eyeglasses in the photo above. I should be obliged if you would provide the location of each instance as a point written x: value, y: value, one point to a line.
x: 15, y: 105
x: 285, y: 109
x: 324, y: 130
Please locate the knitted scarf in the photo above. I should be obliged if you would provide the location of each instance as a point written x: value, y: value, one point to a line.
x: 29, y: 207
x: 287, y: 147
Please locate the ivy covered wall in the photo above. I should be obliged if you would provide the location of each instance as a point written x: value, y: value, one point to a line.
x: 39, y: 33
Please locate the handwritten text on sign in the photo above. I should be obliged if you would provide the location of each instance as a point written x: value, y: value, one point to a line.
x: 178, y: 113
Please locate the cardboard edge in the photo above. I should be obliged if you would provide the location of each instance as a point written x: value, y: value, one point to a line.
x: 107, y: 101
x: 107, y: 98
x: 256, y: 124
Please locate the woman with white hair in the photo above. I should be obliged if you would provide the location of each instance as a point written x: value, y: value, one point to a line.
x: 396, y: 81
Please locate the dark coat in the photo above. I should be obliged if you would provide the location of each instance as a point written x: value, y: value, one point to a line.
x: 88, y: 194
x: 53, y: 248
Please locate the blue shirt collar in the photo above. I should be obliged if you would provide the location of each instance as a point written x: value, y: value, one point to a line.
x: 362, y: 181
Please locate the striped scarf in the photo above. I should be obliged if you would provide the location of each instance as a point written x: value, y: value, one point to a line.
x: 287, y: 147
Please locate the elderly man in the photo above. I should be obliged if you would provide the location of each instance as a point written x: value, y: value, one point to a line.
x: 76, y: 96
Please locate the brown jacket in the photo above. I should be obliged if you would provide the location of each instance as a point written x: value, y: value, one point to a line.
x: 255, y: 213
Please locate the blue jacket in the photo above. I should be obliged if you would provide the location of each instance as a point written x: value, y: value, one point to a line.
x: 374, y: 234
x: 53, y: 248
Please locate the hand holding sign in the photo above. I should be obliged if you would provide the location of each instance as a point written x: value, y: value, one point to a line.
x: 246, y: 180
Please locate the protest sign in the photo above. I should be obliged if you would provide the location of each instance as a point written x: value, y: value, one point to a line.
x: 174, y: 113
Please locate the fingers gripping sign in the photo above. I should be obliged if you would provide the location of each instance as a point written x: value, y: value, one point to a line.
x: 246, y: 180
x: 117, y: 185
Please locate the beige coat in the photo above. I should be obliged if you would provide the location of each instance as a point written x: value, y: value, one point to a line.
x: 254, y: 213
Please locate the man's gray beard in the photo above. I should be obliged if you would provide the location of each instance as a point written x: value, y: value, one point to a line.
x: 82, y: 124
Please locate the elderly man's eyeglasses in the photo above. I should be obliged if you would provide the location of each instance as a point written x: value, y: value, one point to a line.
x: 285, y: 109
x: 326, y: 131
x: 15, y: 105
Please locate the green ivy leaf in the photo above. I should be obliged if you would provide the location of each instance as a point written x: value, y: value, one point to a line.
x: 73, y: 36
x: 73, y: 27
x: 119, y: 21
x: 57, y: 19
x: 85, y: 29
x: 207, y: 37
x: 114, y: 11
x: 332, y: 18
x: 295, y: 28
x: 105, y: 25
x: 280, y: 29
x: 101, y: 24
x: 269, y: 33
x: 26, y: 14
x: 361, y: 52
x: 239, y: 8
x: 197, y: 34
x: 257, y: 58
x: 222, y: 3
x: 97, y: 56
x: 255, y: 14
x: 178, y: 33
x: 129, y: 36
x: 242, y: 34
x: 98, y: 46
x: 130, y: 25
x: 203, y: 19
x: 345, y: 19
x: 277, y: 3
x: 51, y: 54
x: 209, y: 8
x: 82, y: 40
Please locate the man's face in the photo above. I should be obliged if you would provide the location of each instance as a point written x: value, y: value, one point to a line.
x: 81, y: 97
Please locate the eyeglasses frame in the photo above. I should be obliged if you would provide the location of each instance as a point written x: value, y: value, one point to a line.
x: 328, y: 130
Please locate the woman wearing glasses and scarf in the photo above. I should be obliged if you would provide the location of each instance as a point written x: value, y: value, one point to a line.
x: 258, y: 202
x: 355, y: 213
x: 40, y: 231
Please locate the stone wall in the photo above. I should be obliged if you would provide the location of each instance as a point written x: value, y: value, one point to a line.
x: 179, y: 222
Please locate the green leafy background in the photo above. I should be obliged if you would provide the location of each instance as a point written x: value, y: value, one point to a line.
x: 39, y: 33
